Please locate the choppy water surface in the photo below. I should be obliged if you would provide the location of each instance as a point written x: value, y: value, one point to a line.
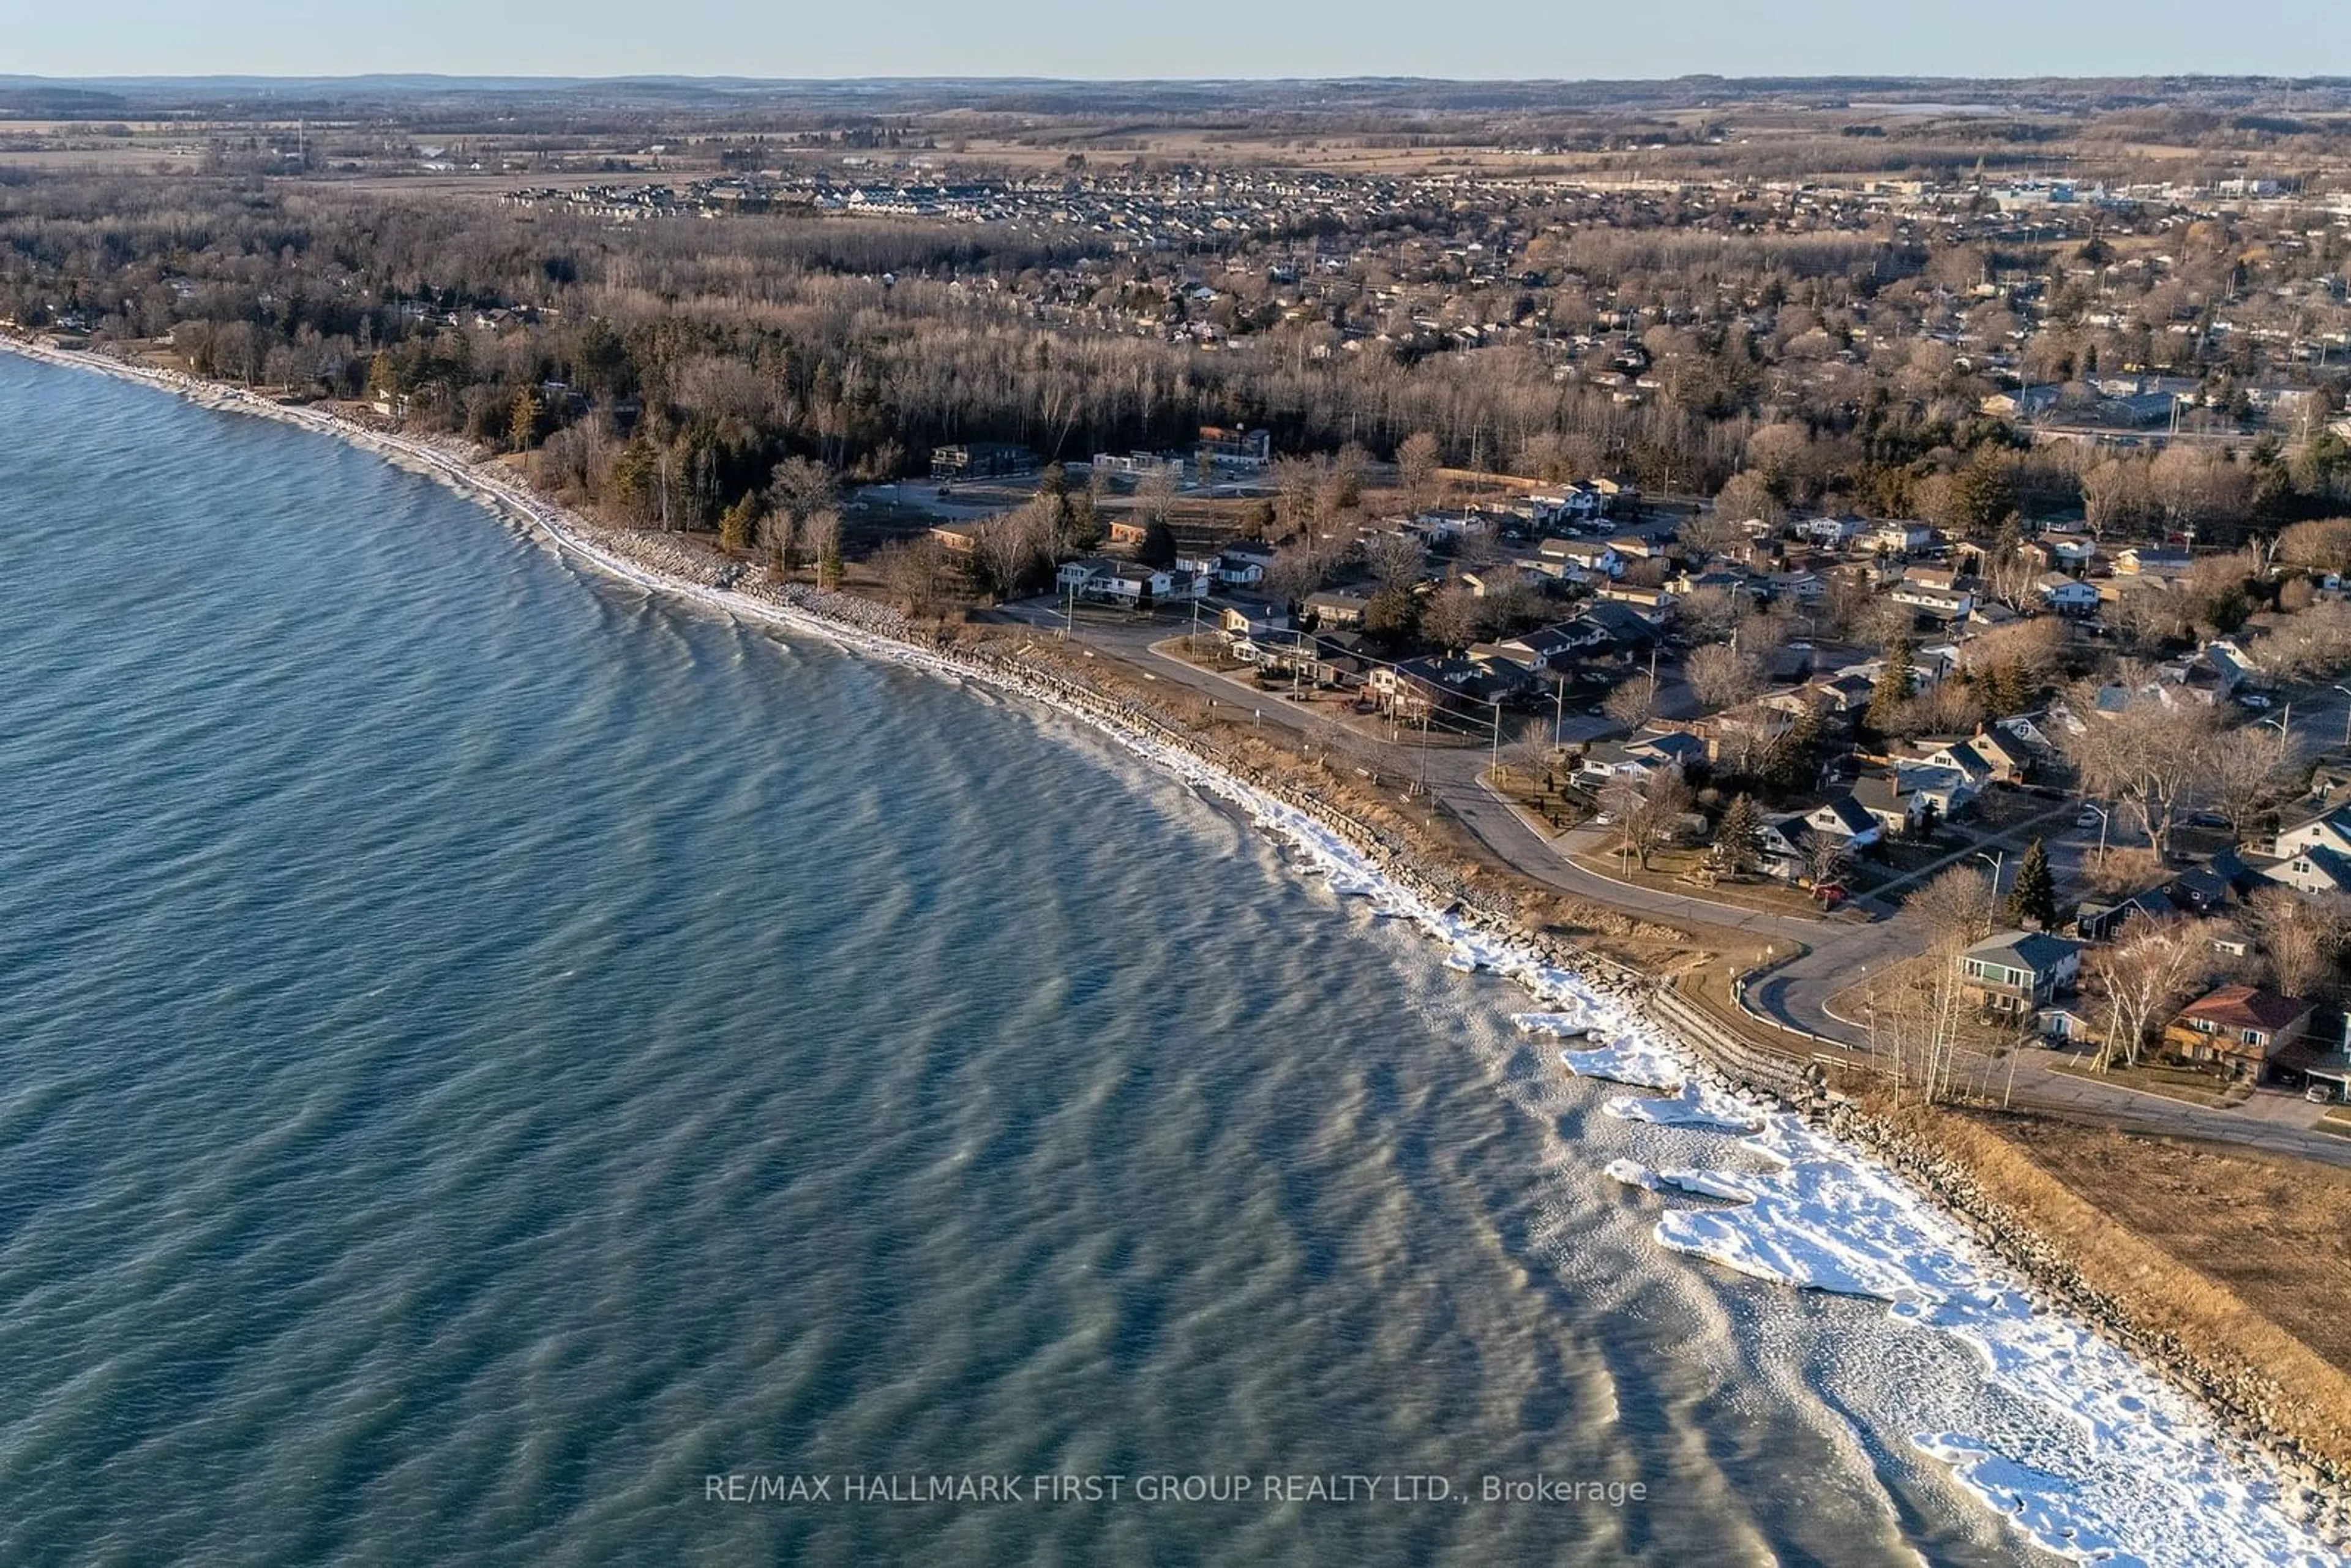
x: 483, y: 1052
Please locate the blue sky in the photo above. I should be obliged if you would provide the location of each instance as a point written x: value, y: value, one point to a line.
x: 1120, y: 39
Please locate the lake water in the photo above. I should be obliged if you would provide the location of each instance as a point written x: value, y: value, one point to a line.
x: 484, y: 1052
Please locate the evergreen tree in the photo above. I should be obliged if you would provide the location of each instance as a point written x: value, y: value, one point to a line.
x: 1158, y: 545
x: 2033, y: 898
x: 1893, y: 687
x: 1739, y: 837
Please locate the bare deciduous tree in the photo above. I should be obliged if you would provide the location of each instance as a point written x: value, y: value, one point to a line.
x: 2248, y: 770
x: 1724, y: 676
x: 1633, y: 702
x: 2148, y: 755
x: 1395, y: 559
x: 2143, y: 973
x: 1646, y: 812
x: 2302, y: 938
x: 1955, y: 908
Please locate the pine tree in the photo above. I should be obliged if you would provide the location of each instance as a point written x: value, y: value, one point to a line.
x: 1739, y: 837
x: 1893, y: 687
x: 2033, y: 898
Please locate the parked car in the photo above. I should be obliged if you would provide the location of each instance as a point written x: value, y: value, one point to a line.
x: 2320, y: 1093
x: 2087, y: 817
x: 2254, y: 700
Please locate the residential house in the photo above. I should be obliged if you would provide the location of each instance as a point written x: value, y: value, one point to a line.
x: 1131, y: 583
x: 2239, y: 1028
x: 2099, y: 919
x: 1784, y: 847
x: 1942, y: 604
x: 2019, y: 971
x: 1834, y: 532
x: 2316, y: 870
x: 1332, y: 608
x: 1545, y: 649
x: 1882, y: 797
x: 1898, y: 538
x: 1235, y: 569
x: 1072, y: 576
x: 2148, y: 560
x: 2009, y: 759
x: 1580, y: 560
x: 1649, y: 599
x: 1948, y: 790
x: 1626, y: 630
x: 1416, y: 687
x: 2066, y: 551
x: 1845, y: 818
x: 2066, y: 595
x: 1250, y: 618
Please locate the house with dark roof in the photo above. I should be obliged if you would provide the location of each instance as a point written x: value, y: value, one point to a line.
x: 2097, y: 919
x: 2241, y: 1028
x: 2019, y: 971
x: 1845, y: 818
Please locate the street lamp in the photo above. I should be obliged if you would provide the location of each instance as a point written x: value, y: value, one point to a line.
x: 1998, y: 858
x: 2346, y: 718
x: 2101, y: 810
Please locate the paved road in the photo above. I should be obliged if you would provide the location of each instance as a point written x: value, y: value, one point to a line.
x: 1796, y: 994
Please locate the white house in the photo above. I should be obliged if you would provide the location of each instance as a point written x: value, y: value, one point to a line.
x: 1834, y: 532
x: 1129, y: 582
x: 1945, y: 604
x: 1582, y: 559
x: 1900, y: 538
x: 2066, y: 595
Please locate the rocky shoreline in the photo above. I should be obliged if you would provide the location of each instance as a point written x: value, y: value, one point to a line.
x: 2244, y: 1405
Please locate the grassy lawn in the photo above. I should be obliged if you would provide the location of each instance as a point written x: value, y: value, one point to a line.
x: 2182, y: 1084
x: 1557, y: 807
x: 2336, y: 1119
x: 1671, y: 870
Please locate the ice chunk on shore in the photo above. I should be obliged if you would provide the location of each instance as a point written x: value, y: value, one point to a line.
x: 1628, y: 1059
x: 1558, y: 1025
x: 1693, y: 1107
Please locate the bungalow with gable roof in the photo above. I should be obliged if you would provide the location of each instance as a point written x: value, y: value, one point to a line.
x: 2150, y: 560
x: 1332, y: 608
x: 1948, y: 789
x: 1545, y: 648
x: 2008, y: 757
x: 2098, y: 919
x: 1623, y: 627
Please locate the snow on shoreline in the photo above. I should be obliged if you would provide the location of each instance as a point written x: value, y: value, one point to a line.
x: 2143, y: 1479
